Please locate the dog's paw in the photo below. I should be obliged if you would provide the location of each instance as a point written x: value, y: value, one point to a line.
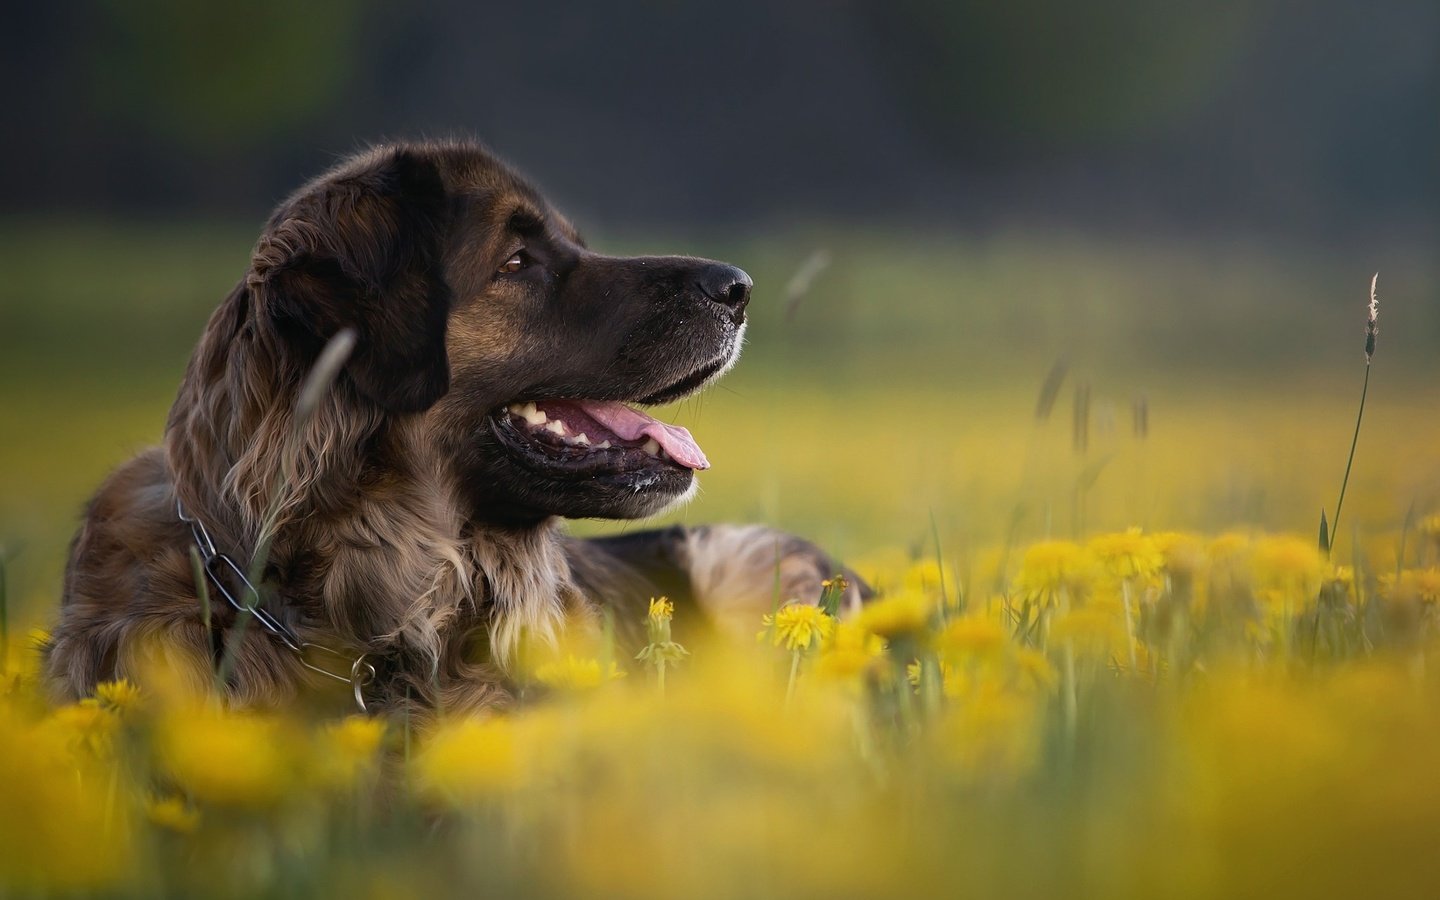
x: 738, y: 573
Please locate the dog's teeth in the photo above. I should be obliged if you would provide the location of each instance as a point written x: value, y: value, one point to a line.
x: 555, y: 426
x: 603, y: 445
x: 651, y: 447
x: 532, y: 415
x: 582, y: 439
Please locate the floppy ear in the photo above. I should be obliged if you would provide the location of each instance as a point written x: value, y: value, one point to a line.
x: 362, y: 250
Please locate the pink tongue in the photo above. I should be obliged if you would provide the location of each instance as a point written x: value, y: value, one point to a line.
x: 632, y: 425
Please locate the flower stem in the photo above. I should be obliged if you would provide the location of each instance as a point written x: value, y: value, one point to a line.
x: 1129, y: 625
x: 1072, y: 700
x: 794, y: 673
x: 1339, y: 504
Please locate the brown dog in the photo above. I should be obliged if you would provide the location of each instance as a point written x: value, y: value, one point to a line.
x: 401, y: 529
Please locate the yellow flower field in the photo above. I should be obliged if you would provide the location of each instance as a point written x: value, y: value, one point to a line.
x: 1254, y: 721
x: 1108, y: 657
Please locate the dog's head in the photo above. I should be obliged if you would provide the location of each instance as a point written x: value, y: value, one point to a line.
x: 477, y: 307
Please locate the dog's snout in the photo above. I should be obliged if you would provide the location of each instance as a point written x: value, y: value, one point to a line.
x: 728, y: 286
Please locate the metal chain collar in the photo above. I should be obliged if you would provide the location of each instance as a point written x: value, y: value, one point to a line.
x: 214, y: 563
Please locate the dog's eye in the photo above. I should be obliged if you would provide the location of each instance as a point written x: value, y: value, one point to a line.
x: 515, y: 263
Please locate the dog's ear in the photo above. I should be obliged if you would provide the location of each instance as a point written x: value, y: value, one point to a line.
x: 362, y: 249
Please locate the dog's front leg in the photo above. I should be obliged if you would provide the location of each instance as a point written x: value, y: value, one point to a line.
x: 730, y: 574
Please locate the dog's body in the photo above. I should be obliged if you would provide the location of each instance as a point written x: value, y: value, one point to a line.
x: 410, y: 513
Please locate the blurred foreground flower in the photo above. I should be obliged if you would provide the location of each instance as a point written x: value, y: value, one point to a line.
x: 243, y: 761
x: 1052, y: 568
x: 172, y: 814
x: 573, y: 673
x: 467, y: 760
x: 901, y: 615
x: 349, y: 750
x: 1128, y: 555
x: 59, y: 830
x: 123, y: 697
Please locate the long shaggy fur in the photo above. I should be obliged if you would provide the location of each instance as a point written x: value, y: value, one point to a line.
x: 368, y: 524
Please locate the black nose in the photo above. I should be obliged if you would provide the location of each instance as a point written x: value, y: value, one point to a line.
x: 727, y: 286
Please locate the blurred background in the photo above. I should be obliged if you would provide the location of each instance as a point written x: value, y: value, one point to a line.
x: 1171, y: 210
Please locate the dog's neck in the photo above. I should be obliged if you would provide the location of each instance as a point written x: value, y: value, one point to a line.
x: 366, y: 533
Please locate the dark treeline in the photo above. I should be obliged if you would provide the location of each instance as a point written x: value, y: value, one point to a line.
x: 1273, y: 115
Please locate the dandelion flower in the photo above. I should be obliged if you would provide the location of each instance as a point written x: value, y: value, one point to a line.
x: 661, y: 609
x: 1288, y: 569
x: 798, y: 626
x: 123, y: 697
x: 1183, y: 554
x: 467, y: 759
x: 896, y: 616
x: 850, y: 651
x: 86, y: 727
x: 349, y: 748
x: 245, y: 761
x: 1128, y: 554
x: 575, y: 674
x: 1430, y: 527
x: 973, y: 636
x: 661, y: 651
x: 1415, y: 584
x: 1050, y: 567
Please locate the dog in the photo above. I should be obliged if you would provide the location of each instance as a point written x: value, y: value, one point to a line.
x: 395, y: 526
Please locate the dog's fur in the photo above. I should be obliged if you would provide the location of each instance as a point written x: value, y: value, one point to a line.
x: 398, y: 519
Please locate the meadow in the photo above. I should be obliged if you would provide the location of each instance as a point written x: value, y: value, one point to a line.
x: 1110, y: 658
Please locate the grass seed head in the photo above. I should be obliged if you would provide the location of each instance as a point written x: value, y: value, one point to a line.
x: 1372, y: 318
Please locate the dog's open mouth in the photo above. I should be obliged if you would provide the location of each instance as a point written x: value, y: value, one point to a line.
x: 595, y: 436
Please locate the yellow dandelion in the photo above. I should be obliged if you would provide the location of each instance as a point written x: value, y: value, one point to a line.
x: 466, y: 759
x: 1427, y: 583
x: 657, y: 628
x: 1129, y: 554
x: 1183, y: 554
x: 661, y: 609
x: 798, y: 626
x: 239, y: 760
x: 1287, y: 568
x: 575, y: 673
x: 994, y: 736
x: 57, y: 834
x: 973, y: 636
x: 1050, y: 567
x: 896, y: 616
x: 1229, y: 547
x: 1430, y: 527
x: 851, y: 651
x: 1414, y: 584
x: 123, y: 697
x: 86, y: 727
x: 349, y: 749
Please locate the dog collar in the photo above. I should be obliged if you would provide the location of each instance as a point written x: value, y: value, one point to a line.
x: 222, y: 572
